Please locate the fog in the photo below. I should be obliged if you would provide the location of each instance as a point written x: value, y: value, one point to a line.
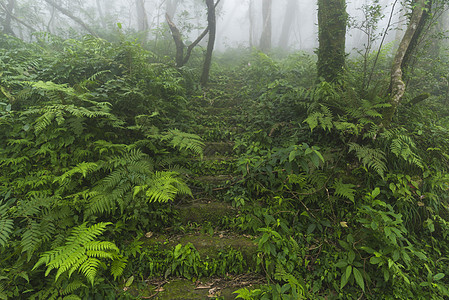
x: 239, y: 23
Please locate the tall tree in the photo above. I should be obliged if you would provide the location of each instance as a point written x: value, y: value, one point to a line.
x: 212, y: 25
x: 172, y: 6
x: 289, y: 18
x: 265, y: 38
x: 332, y: 19
x: 182, y: 59
x: 142, y: 20
x: 100, y: 13
x: 9, y: 9
x: 400, y: 62
x: 251, y: 23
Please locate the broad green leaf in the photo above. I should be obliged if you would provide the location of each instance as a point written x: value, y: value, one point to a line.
x: 351, y: 256
x: 375, y: 193
x: 341, y: 264
x: 438, y: 276
x: 348, y: 271
x: 359, y: 278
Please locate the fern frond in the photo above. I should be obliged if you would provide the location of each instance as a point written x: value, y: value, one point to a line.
x: 187, y: 141
x: 83, y: 168
x: 164, y: 186
x: 322, y: 116
x: 117, y: 266
x: 72, y: 286
x: 80, y: 253
x: 370, y: 158
x: 6, y: 227
x: 345, y: 190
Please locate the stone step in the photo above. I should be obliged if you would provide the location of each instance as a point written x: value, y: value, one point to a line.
x: 212, y: 212
x: 209, y: 245
x: 212, y: 166
x: 218, y: 148
x: 206, y: 288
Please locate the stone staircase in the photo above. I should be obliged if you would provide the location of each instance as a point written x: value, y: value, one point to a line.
x: 213, y: 175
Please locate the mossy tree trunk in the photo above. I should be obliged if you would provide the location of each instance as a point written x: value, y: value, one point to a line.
x: 397, y: 84
x: 332, y: 19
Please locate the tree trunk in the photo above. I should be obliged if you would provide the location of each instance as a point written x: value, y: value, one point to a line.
x: 265, y: 39
x: 251, y: 23
x: 177, y: 38
x: 212, y: 25
x: 426, y: 12
x: 142, y: 20
x: 7, y: 28
x: 172, y: 6
x: 10, y: 15
x: 290, y: 14
x: 332, y: 19
x: 397, y: 84
x: 71, y: 16
x: 101, y: 14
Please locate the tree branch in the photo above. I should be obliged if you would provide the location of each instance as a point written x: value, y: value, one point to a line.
x: 71, y: 16
x: 17, y: 19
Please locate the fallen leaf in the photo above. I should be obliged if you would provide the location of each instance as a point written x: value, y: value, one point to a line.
x: 344, y: 224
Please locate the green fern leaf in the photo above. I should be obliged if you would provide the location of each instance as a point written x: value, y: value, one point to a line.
x: 344, y: 190
x: 371, y: 158
x: 117, y: 266
x: 188, y: 141
x: 80, y: 253
x: 6, y: 227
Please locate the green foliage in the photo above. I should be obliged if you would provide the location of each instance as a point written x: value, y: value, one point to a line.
x: 340, y: 206
x: 81, y: 252
x: 370, y: 158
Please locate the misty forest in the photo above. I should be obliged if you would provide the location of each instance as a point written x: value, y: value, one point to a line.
x: 233, y: 149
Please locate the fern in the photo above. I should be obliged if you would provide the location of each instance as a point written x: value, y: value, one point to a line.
x: 81, y: 253
x: 188, y: 141
x: 370, y: 158
x: 163, y: 187
x: 404, y: 147
x: 345, y: 190
x: 6, y: 225
x: 321, y: 117
x: 83, y: 168
x: 132, y: 173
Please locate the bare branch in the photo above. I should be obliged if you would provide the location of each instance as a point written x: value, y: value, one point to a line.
x: 71, y: 16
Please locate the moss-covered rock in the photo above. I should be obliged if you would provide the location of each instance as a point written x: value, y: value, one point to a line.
x: 212, y: 212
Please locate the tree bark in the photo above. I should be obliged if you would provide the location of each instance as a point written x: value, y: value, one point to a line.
x: 7, y: 28
x: 251, y: 23
x: 397, y: 84
x: 265, y: 39
x: 212, y: 26
x: 9, y: 13
x: 426, y: 12
x: 101, y: 14
x: 332, y: 19
x: 142, y: 20
x: 172, y: 6
x: 290, y: 14
x: 179, y: 44
x: 71, y: 16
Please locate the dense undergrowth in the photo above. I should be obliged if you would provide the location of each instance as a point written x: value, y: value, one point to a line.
x: 97, y: 139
